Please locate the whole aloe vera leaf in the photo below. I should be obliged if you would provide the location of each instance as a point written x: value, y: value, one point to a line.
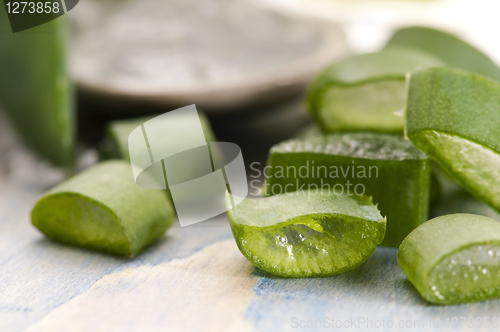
x: 362, y: 92
x: 454, y: 117
x: 35, y: 89
x: 453, y: 259
x: 450, y: 49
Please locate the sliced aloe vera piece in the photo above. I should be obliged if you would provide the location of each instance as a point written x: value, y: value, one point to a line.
x: 453, y: 116
x: 103, y: 209
x: 306, y: 235
x: 362, y: 92
x: 386, y: 167
x: 454, y: 259
x: 35, y: 89
x: 115, y: 143
x: 450, y: 49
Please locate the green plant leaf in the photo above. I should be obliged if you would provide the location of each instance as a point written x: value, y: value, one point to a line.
x: 362, y: 92
x: 454, y: 259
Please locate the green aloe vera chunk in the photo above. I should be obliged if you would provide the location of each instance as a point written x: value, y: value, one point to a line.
x: 115, y: 143
x: 362, y: 92
x: 35, y: 89
x: 450, y: 49
x: 103, y: 209
x: 454, y: 259
x: 454, y: 117
x: 306, y: 235
x: 386, y: 167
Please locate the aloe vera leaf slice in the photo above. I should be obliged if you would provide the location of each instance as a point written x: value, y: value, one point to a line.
x: 462, y: 202
x: 103, y: 209
x: 450, y: 49
x: 115, y: 142
x: 453, y: 116
x: 304, y: 235
x: 35, y: 88
x: 362, y: 92
x: 454, y: 259
x: 386, y: 167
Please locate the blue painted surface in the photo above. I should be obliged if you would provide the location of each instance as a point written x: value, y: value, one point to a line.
x: 38, y: 275
x: 377, y: 290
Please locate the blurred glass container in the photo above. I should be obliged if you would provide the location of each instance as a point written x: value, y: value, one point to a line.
x: 222, y: 55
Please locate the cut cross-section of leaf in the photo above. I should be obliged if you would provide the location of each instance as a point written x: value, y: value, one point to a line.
x: 454, y: 117
x: 35, y: 89
x: 306, y: 235
x: 454, y: 259
x: 362, y: 92
x: 103, y: 209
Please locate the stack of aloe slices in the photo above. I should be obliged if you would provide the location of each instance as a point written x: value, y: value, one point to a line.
x: 386, y: 167
x: 452, y: 117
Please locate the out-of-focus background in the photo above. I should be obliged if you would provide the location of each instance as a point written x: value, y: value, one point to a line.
x: 244, y: 63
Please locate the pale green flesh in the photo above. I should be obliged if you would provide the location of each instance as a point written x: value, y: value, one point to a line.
x: 81, y: 222
x: 475, y: 167
x: 368, y: 106
x: 307, y: 235
x: 469, y: 275
x: 103, y: 209
x: 308, y: 246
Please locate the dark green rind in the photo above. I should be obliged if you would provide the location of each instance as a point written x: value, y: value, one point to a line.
x: 103, y: 209
x: 306, y: 236
x: 357, y: 76
x: 447, y: 47
x: 115, y: 143
x: 401, y: 189
x: 35, y: 88
x: 453, y: 116
x: 437, y: 239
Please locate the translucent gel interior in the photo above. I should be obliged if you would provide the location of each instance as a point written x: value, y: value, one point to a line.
x: 472, y: 274
x: 477, y: 167
x: 314, y: 247
x: 366, y: 106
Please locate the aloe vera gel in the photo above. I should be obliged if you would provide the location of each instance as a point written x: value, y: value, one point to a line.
x: 454, y: 259
x: 386, y: 167
x: 362, y: 92
x: 103, y: 209
x: 306, y: 236
x: 453, y: 116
